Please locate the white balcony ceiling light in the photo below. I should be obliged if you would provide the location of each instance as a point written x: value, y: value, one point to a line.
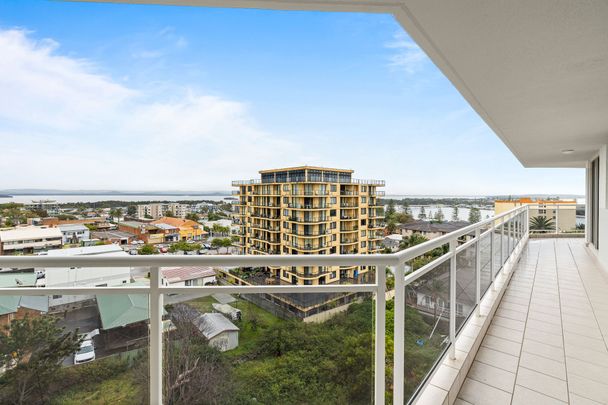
x: 535, y: 71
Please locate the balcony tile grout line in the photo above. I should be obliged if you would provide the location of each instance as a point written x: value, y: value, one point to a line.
x: 561, y: 316
x: 521, y: 348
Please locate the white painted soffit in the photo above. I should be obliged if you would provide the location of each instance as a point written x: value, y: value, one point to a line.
x: 535, y: 71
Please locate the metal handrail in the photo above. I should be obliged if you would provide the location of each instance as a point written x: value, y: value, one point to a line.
x: 517, y: 220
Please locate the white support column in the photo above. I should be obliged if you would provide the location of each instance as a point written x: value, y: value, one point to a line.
x: 399, y: 321
x: 477, y: 271
x: 156, y: 338
x: 557, y: 218
x: 380, y: 353
x: 453, y: 246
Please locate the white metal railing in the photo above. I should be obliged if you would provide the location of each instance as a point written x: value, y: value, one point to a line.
x: 560, y: 218
x: 512, y: 224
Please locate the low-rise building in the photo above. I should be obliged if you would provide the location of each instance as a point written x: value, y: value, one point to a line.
x: 187, y: 276
x: 558, y: 212
x: 188, y: 230
x: 430, y: 230
x: 117, y: 237
x: 84, y: 276
x: 159, y: 210
x: 171, y: 232
x: 148, y: 233
x: 393, y: 241
x: 17, y: 307
x: 50, y: 206
x: 29, y: 239
x: 218, y: 330
x: 74, y: 233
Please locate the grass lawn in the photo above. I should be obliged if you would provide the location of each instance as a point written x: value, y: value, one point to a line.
x: 120, y: 389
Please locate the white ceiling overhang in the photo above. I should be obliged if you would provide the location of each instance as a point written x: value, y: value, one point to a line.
x: 535, y: 71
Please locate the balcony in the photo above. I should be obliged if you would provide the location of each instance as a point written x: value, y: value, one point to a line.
x: 554, y: 291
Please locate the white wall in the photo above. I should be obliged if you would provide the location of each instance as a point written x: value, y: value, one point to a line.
x: 603, y: 208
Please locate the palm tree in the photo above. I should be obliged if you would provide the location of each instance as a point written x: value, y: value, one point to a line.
x: 541, y: 223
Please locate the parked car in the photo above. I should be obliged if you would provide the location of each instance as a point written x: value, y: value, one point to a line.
x: 206, y: 246
x: 86, y: 352
x: 133, y: 252
x: 163, y: 250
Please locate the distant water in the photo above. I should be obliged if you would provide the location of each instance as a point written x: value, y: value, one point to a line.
x: 95, y: 198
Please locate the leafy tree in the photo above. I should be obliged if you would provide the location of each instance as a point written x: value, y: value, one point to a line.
x: 455, y: 213
x: 422, y: 213
x: 439, y: 217
x: 184, y: 247
x: 390, y: 209
x: 131, y: 210
x: 170, y: 214
x: 116, y: 213
x: 541, y: 223
x: 221, y: 243
x: 474, y: 215
x: 402, y: 217
x: 193, y: 216
x: 406, y: 207
x: 391, y: 226
x: 221, y: 230
x: 412, y: 240
x: 32, y: 350
x: 147, y: 249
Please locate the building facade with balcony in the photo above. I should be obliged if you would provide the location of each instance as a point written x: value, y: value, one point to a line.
x: 310, y: 210
x: 159, y: 210
x: 559, y: 213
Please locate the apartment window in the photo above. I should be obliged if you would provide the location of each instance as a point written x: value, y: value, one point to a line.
x: 286, y: 213
x: 364, y: 190
x: 363, y: 244
x: 363, y: 211
x: 333, y: 275
x: 332, y: 225
x: 363, y: 232
x: 334, y: 200
x: 285, y: 200
x: 363, y: 199
x: 363, y: 222
x: 56, y: 297
x: 334, y: 188
x: 332, y: 213
x: 285, y: 187
x: 333, y: 237
x: 307, y: 282
x: 284, y: 273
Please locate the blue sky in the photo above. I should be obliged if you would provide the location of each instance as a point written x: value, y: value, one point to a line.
x: 182, y: 98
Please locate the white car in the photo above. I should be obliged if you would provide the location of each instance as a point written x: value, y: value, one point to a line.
x: 85, y: 353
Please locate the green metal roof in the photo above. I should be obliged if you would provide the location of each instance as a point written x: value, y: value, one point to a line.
x: 9, y: 304
x: 118, y: 310
x: 8, y: 280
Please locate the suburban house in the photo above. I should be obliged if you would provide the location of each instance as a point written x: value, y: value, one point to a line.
x: 187, y: 276
x: 76, y: 233
x: 29, y: 239
x: 84, y: 276
x: 218, y: 330
x: 16, y: 306
x: 430, y: 230
x: 188, y: 230
x: 142, y: 231
x: 392, y: 241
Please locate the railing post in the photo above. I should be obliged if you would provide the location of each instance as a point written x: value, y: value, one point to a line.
x: 156, y: 338
x: 556, y: 218
x: 380, y: 352
x: 453, y: 246
x: 399, y: 339
x: 477, y: 271
x: 502, y: 241
x: 492, y: 235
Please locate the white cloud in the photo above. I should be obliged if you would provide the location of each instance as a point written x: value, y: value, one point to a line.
x: 65, y: 125
x: 407, y: 55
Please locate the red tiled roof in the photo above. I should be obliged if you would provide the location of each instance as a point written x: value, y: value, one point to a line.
x: 177, y: 274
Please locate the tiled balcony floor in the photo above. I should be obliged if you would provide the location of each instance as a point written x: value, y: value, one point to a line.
x: 548, y: 341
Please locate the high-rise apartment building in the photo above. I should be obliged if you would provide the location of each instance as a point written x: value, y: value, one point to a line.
x: 310, y: 210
